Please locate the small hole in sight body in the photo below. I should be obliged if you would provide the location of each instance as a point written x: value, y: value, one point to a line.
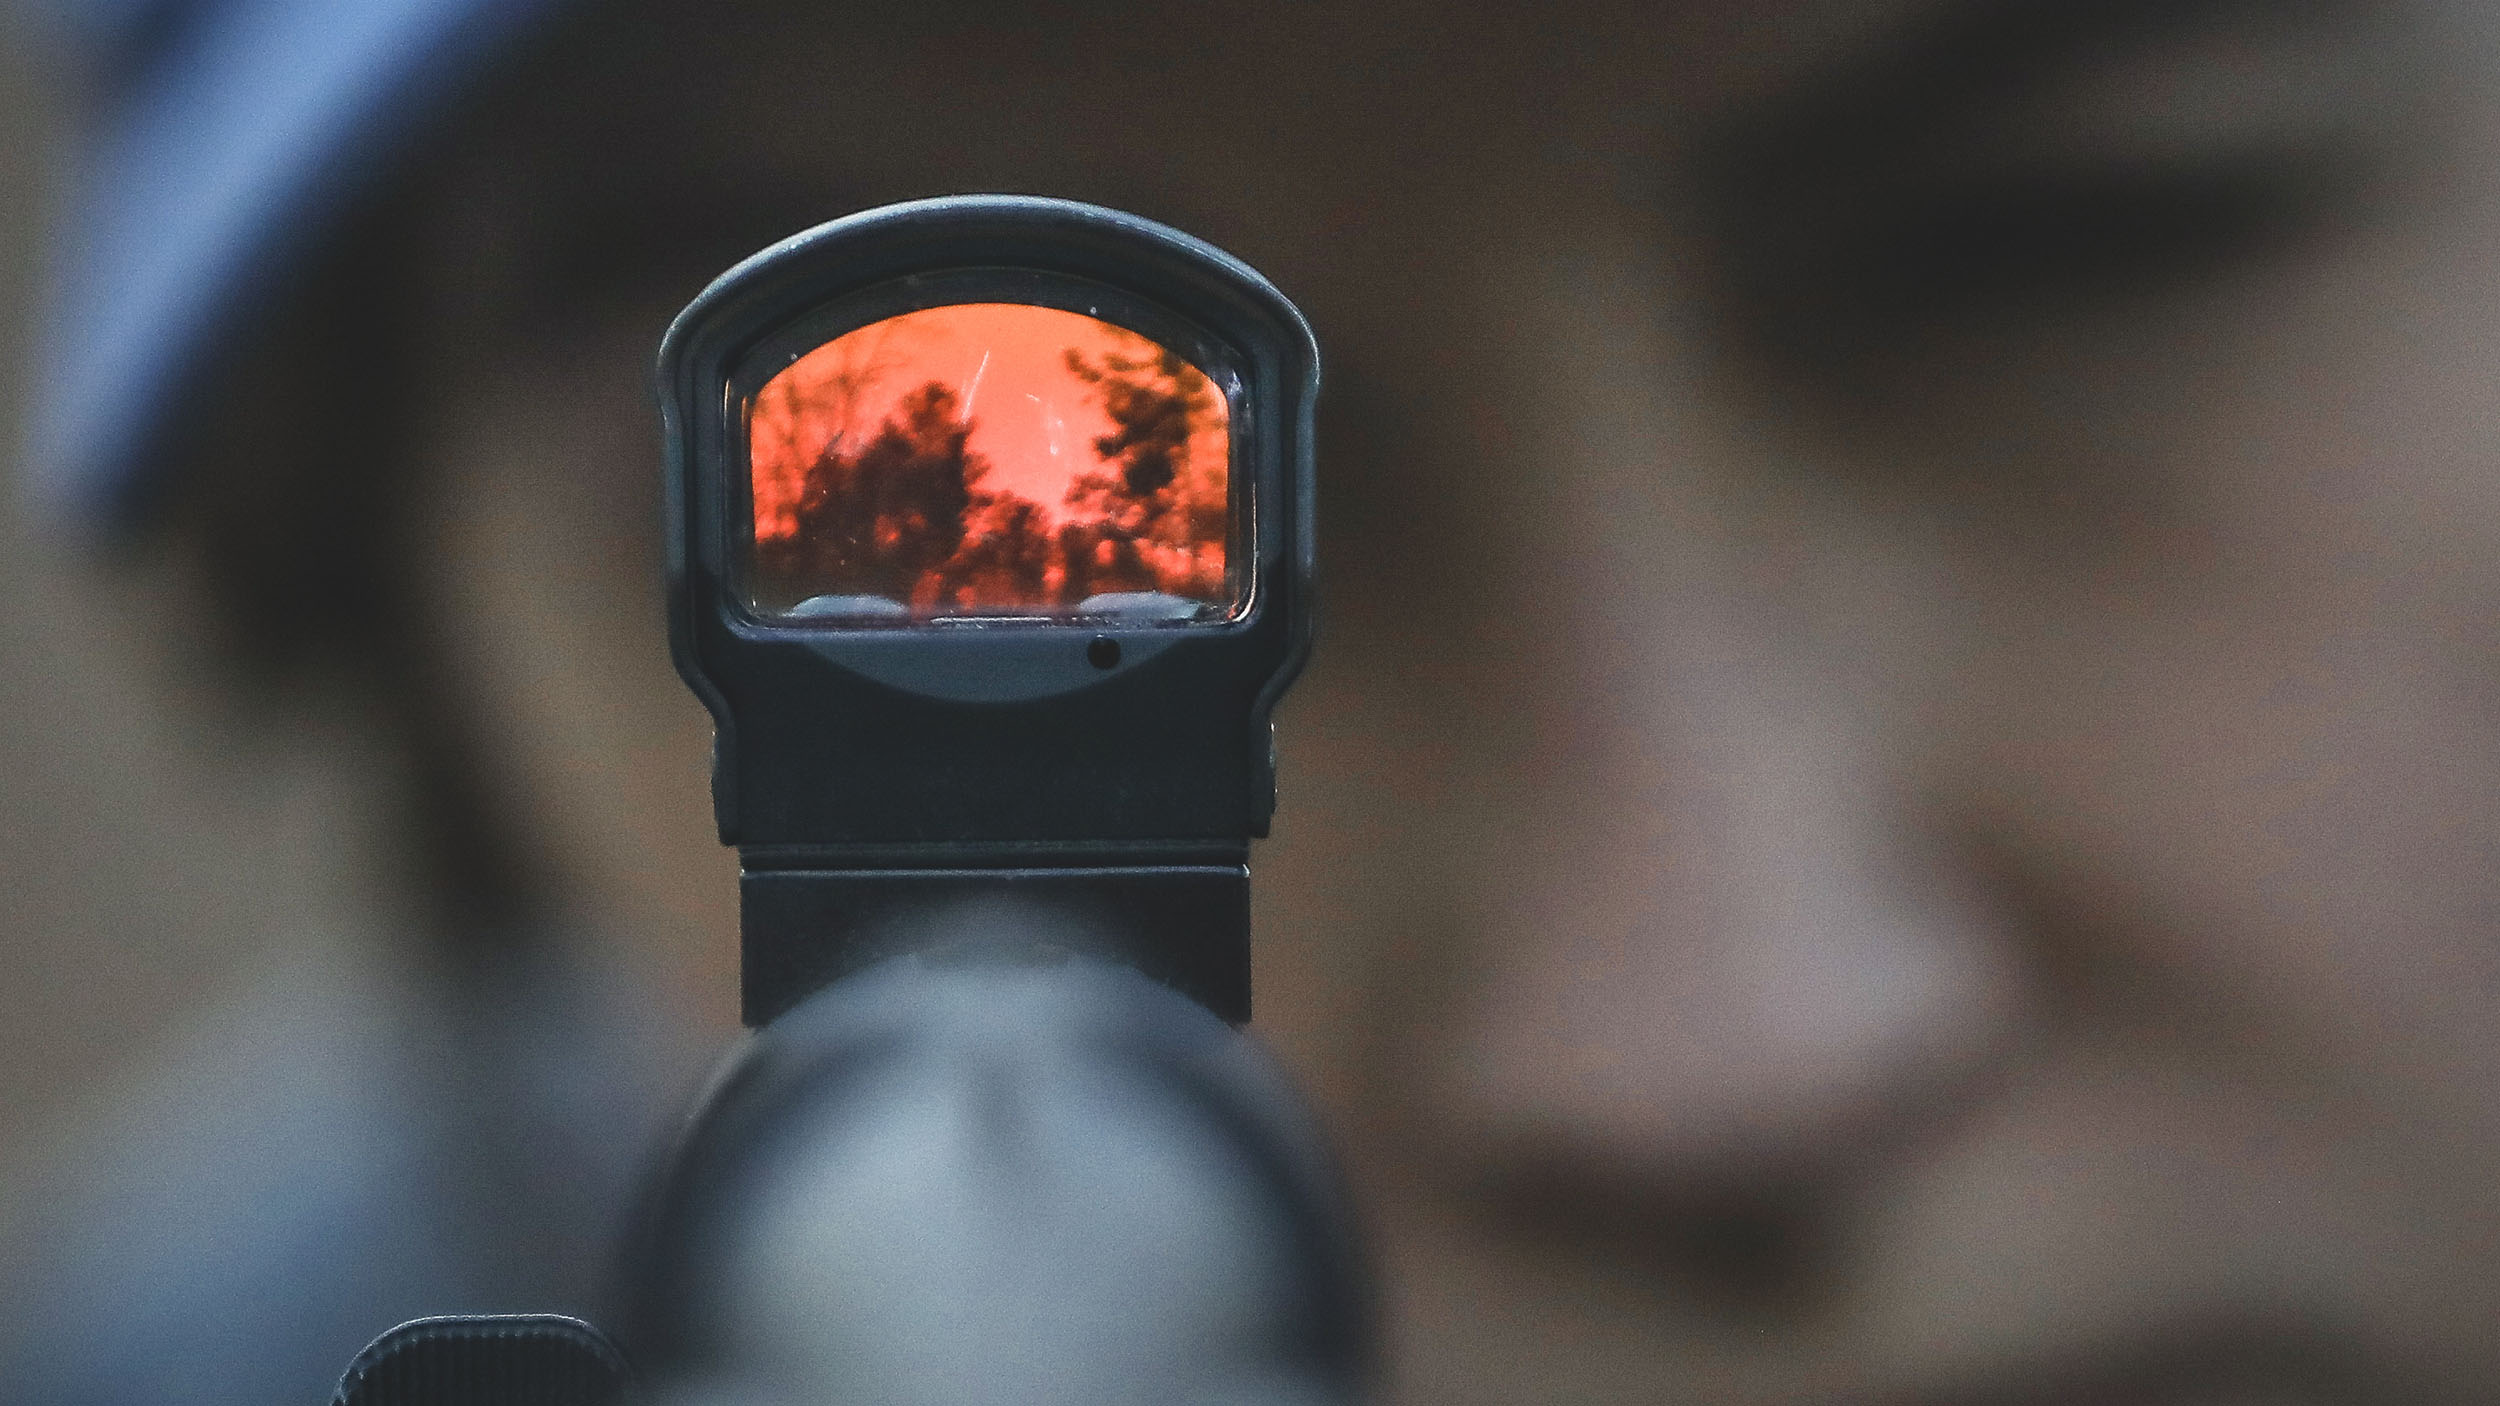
x: 1103, y: 653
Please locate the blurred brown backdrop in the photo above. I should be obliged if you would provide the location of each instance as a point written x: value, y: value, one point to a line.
x: 1933, y: 840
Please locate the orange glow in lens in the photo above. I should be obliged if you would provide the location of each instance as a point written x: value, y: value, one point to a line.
x: 990, y: 457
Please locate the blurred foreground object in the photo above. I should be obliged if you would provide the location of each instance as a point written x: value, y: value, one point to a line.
x: 1034, y: 1183
x: 522, y: 1359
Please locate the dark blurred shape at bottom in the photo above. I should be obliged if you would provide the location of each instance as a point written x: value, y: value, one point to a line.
x: 1043, y: 1180
x: 531, y: 1359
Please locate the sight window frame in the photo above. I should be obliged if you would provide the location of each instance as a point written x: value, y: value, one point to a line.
x: 1067, y: 736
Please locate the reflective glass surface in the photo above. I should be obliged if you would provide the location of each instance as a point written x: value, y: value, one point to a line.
x: 991, y: 459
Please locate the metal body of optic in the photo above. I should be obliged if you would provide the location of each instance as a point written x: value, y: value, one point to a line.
x: 990, y: 552
x: 990, y: 531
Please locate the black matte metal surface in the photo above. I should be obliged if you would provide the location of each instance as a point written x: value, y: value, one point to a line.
x: 1186, y: 926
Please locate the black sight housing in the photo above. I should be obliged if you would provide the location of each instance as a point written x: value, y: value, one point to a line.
x: 1107, y: 758
x: 990, y: 552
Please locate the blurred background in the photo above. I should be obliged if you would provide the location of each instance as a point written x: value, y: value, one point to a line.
x: 1895, y: 804
x: 146, y: 827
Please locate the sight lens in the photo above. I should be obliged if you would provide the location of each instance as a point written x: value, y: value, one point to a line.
x: 985, y: 460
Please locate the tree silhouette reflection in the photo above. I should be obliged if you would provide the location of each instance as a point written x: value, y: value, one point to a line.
x: 988, y: 459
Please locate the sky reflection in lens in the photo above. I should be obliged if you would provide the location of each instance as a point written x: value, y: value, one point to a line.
x: 991, y: 458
